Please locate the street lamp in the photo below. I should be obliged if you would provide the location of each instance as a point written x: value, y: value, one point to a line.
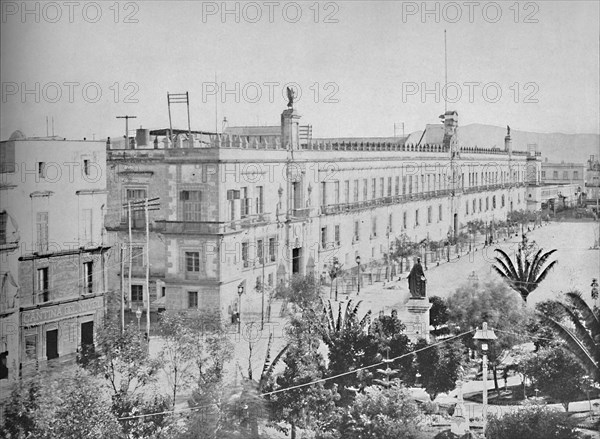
x: 484, y: 335
x: 336, y: 267
x: 358, y: 274
x: 138, y: 314
x: 240, y: 290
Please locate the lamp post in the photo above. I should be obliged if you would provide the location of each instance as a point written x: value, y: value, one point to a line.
x: 336, y: 268
x: 240, y: 290
x: 358, y: 273
x: 594, y: 286
x: 484, y: 335
x: 138, y: 314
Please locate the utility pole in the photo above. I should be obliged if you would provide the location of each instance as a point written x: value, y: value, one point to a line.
x: 262, y: 298
x: 122, y: 288
x: 145, y: 205
x: 126, y: 117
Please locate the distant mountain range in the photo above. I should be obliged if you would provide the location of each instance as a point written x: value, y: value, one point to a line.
x: 576, y: 148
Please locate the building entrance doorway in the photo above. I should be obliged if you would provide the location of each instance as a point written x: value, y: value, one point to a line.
x: 87, y: 336
x: 296, y: 260
x: 52, y: 344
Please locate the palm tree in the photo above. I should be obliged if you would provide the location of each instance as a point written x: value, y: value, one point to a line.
x: 580, y: 330
x: 527, y: 273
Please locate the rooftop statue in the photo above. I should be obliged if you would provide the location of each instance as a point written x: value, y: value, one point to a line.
x: 291, y: 96
x: 507, y: 131
x: 417, y: 281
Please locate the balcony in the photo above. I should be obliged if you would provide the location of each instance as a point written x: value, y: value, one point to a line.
x: 302, y: 213
x: 252, y: 220
x: 192, y: 227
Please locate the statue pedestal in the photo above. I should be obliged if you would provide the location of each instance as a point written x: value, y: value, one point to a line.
x: 417, y: 326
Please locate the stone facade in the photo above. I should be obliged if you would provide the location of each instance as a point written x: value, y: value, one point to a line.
x: 251, y: 211
x: 52, y: 251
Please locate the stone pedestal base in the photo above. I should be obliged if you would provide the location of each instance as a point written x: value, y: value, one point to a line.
x: 417, y: 326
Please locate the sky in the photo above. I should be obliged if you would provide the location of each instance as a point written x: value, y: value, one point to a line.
x: 360, y: 68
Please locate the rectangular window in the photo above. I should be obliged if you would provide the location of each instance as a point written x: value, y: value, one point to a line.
x: 416, y: 184
x: 373, y: 188
x: 42, y: 231
x: 323, y: 193
x: 417, y: 218
x: 356, y: 231
x: 356, y: 191
x: 410, y: 182
x: 41, y: 169
x: 336, y: 192
x: 138, y: 216
x: 466, y: 208
x: 3, y: 218
x: 137, y: 257
x: 43, y: 285
x: 480, y: 204
x: 487, y: 203
x: 429, y: 214
x: 474, y: 206
x: 272, y: 249
x: 31, y: 347
x: 323, y: 237
x: 244, y: 211
x: 374, y: 227
x: 397, y: 186
x: 245, y: 258
x: 575, y: 175
x: 404, y: 185
x: 494, y: 202
x: 88, y: 277
x: 440, y: 211
x: 555, y: 175
x: 163, y: 291
x: 260, y: 250
x: 192, y: 262
x: 565, y: 175
x: 381, y: 187
x: 404, y: 220
x: 259, y: 199
x: 543, y: 174
x: 86, y: 167
x: 192, y: 299
x: 337, y: 234
x: 502, y: 200
x: 347, y: 191
x: 365, y: 189
x: 137, y: 293
x: 389, y: 187
x: 270, y: 279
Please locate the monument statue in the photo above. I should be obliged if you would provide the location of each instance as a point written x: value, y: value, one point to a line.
x: 507, y: 131
x: 416, y: 281
x: 291, y: 96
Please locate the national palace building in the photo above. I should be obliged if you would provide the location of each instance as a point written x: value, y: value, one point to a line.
x: 254, y: 205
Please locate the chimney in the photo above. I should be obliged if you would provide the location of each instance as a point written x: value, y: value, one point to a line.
x: 142, y: 137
